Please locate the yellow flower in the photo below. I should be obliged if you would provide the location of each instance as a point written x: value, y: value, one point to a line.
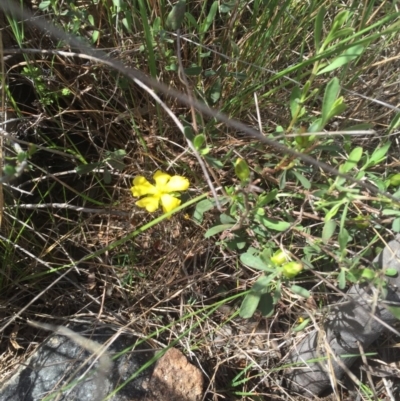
x: 160, y: 192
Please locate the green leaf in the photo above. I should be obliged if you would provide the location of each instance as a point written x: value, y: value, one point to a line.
x: 332, y: 213
x: 202, y: 207
x: 294, y: 101
x: 176, y: 15
x: 86, y: 168
x: 301, y: 326
x: 217, y: 229
x: 117, y: 164
x: 193, y: 70
x: 328, y: 230
x: 210, y: 17
x: 316, y: 126
x: 338, y: 108
x: 394, y: 310
x: 378, y: 156
x: 342, y: 279
x: 212, y: 161
x: 394, y: 124
x: 391, y: 272
x: 266, y: 305
x: 255, y: 262
x: 275, y: 224
x: 262, y: 284
x: 242, y: 170
x: 215, y: 91
x: 264, y: 199
x: 339, y: 20
x: 341, y: 33
x: 199, y: 141
x: 343, y: 239
x: 396, y: 225
x: 43, y: 5
x: 249, y: 305
x: 296, y: 289
x: 106, y: 176
x: 226, y: 219
x: 331, y: 93
x: 353, y: 159
x: 345, y: 58
x: 303, y: 180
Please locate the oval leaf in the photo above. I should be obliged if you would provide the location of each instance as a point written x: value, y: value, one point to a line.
x: 249, y: 305
x: 254, y: 262
x: 345, y: 58
x: 274, y: 224
x: 296, y: 289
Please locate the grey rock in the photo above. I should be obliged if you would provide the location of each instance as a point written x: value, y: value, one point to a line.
x: 348, y: 324
x: 53, y: 371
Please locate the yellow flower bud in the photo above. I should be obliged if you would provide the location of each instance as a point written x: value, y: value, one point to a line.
x: 292, y: 269
x: 394, y: 180
x: 279, y: 258
x: 242, y: 170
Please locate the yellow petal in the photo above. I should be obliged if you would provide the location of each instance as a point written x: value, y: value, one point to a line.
x: 142, y: 187
x: 177, y: 183
x: 168, y: 203
x: 150, y: 203
x: 161, y: 180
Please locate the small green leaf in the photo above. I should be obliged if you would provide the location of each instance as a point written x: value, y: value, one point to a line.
x: 226, y: 219
x: 331, y: 93
x: 342, y: 279
x: 255, y: 262
x: 86, y: 168
x: 194, y: 70
x: 301, y: 326
x: 296, y: 289
x: 394, y: 310
x: 215, y: 91
x: 176, y: 15
x: 262, y: 284
x: 199, y: 141
x: 378, y: 156
x: 212, y: 161
x: 242, y: 170
x: 368, y: 274
x: 202, y: 207
x: 294, y: 101
x: 396, y: 225
x: 339, y: 20
x: 249, y: 305
x: 266, y: 305
x: 343, y: 239
x: 345, y: 58
x: 391, y: 272
x: 217, y: 229
x: 328, y: 230
x: 390, y: 212
x: 303, y: 180
x: 210, y: 18
x: 106, y: 176
x: 353, y: 159
x: 264, y: 199
x: 117, y: 164
x: 9, y: 170
x: 275, y: 224
x: 332, y: 213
